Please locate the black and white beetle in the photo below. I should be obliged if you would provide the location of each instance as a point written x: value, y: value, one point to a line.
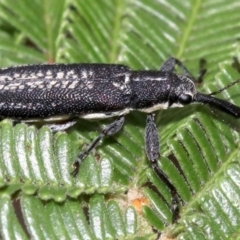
x: 66, y: 92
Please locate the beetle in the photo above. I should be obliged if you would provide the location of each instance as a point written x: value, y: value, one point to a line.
x: 52, y: 93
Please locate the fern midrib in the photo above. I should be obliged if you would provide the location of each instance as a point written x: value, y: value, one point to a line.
x: 191, y: 20
x: 115, y: 34
x: 212, y: 181
x: 50, y: 46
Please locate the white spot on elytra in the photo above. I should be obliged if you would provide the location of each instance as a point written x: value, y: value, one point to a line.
x: 14, y: 84
x: 70, y: 72
x: 16, y: 75
x: 75, y: 76
x: 90, y: 73
x: 23, y: 76
x: 60, y: 75
x: 52, y: 83
x: 90, y: 84
x: 49, y: 72
x: 84, y: 74
x: 40, y: 74
x: 36, y: 84
x: 73, y: 84
x: 64, y: 84
x: 41, y: 86
x: 4, y: 78
x: 127, y: 79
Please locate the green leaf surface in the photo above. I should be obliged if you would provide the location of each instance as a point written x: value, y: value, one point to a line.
x: 199, y: 145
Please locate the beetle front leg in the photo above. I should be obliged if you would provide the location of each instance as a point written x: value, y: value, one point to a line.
x: 202, y: 70
x: 152, y: 151
x: 109, y: 130
x: 169, y: 65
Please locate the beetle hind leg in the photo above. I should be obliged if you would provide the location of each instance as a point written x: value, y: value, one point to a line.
x: 109, y: 130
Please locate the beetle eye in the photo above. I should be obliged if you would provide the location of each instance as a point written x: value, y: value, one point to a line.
x: 185, y: 99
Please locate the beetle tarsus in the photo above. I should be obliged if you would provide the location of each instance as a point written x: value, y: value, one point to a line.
x: 76, y: 166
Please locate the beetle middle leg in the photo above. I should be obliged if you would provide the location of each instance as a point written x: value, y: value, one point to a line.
x: 152, y: 151
x: 109, y: 130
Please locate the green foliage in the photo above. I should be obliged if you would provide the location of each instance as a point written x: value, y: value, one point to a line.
x: 200, y: 151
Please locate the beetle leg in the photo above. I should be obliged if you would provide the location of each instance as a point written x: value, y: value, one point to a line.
x: 169, y: 65
x: 55, y: 127
x: 152, y: 151
x: 202, y: 71
x: 109, y: 130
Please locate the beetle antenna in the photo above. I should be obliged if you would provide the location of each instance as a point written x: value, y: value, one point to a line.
x: 226, y: 87
x: 220, y: 104
x: 229, y: 123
